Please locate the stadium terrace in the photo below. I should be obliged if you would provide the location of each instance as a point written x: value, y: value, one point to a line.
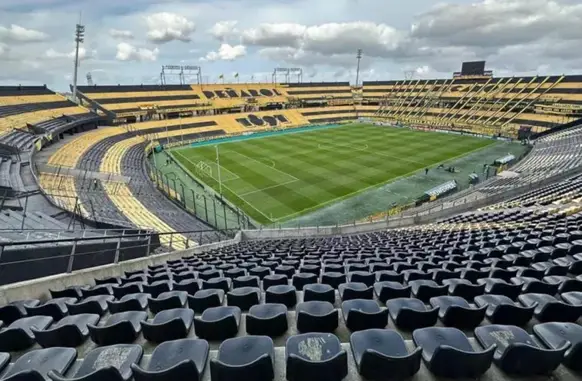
x: 293, y: 230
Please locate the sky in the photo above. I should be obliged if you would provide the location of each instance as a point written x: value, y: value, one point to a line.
x: 128, y: 41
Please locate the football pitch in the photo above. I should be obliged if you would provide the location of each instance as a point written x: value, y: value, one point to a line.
x: 276, y: 178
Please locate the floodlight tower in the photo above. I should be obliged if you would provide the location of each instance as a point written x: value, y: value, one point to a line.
x: 79, y: 39
x: 359, y: 57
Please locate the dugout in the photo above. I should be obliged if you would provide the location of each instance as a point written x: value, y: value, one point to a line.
x: 438, y: 192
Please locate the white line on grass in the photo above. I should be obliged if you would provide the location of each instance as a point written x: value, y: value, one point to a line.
x: 235, y: 176
x: 365, y: 148
x: 264, y: 189
x: 233, y: 192
x: 260, y: 162
x: 340, y: 198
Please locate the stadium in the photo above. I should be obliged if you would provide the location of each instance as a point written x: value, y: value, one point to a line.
x: 291, y: 229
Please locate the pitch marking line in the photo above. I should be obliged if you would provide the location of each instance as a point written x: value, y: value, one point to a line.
x: 346, y: 196
x: 365, y: 148
x: 233, y: 192
x: 260, y: 162
x: 234, y: 176
x: 264, y: 189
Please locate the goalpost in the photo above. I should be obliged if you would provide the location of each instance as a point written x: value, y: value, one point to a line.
x: 203, y: 168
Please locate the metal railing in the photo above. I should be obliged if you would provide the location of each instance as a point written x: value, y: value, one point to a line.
x: 31, y: 258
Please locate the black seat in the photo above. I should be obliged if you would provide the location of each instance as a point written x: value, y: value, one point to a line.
x: 218, y: 283
x: 316, y: 316
x: 248, y: 357
x: 389, y: 276
x: 355, y: 290
x: 246, y: 281
x: 36, y: 364
x: 119, y: 291
x: 425, y: 289
x: 218, y: 323
x: 410, y: 314
x: 191, y: 286
x: 320, y: 292
x: 130, y: 302
x: 455, y: 311
x: 157, y: 287
x: 112, y: 363
x: 464, y: 288
x: 19, y: 336
x: 516, y: 352
x: 565, y: 283
x: 96, y: 304
x: 183, y: 359
x: 68, y: 292
x: 4, y: 360
x: 315, y: 357
x: 500, y: 287
x: 267, y: 319
x: 102, y: 289
x: 503, y: 310
x: 362, y: 277
x: 448, y: 353
x: 548, y: 308
x: 244, y: 297
x: 55, y: 308
x: 120, y: 328
x: 360, y: 314
x: 554, y: 335
x: 274, y: 280
x: 381, y: 354
x: 167, y: 301
x: 535, y: 286
x: 13, y: 311
x: 387, y: 290
x: 205, y: 299
x: 573, y: 297
x: 299, y: 280
x: 333, y: 278
x: 284, y: 294
x: 70, y: 331
x: 167, y: 325
x: 260, y: 271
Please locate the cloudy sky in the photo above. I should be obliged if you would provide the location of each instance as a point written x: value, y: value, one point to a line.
x: 127, y: 41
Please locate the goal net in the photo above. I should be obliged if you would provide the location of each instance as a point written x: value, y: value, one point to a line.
x: 203, y: 168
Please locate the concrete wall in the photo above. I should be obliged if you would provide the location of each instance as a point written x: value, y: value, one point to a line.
x: 39, y: 288
x: 327, y: 230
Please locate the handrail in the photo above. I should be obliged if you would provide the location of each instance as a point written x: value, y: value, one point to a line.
x: 111, y: 237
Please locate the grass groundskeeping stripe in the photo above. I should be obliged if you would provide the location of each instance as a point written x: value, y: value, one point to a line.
x: 280, y: 177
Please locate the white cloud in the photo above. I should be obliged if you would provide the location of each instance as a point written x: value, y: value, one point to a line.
x: 16, y: 33
x: 165, y: 27
x: 121, y: 34
x: 83, y: 54
x: 223, y: 29
x: 226, y: 52
x: 4, y: 50
x: 128, y: 52
x: 274, y: 35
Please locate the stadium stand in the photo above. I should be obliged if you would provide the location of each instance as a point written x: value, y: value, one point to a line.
x: 313, y: 306
x: 425, y: 300
x: 320, y: 93
x: 501, y: 105
x: 24, y: 106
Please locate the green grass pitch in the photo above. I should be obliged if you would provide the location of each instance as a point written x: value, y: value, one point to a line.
x: 279, y: 177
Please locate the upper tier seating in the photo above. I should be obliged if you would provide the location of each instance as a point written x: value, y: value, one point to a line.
x: 23, y: 106
x: 141, y: 100
x: 496, y: 105
x: 318, y: 91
